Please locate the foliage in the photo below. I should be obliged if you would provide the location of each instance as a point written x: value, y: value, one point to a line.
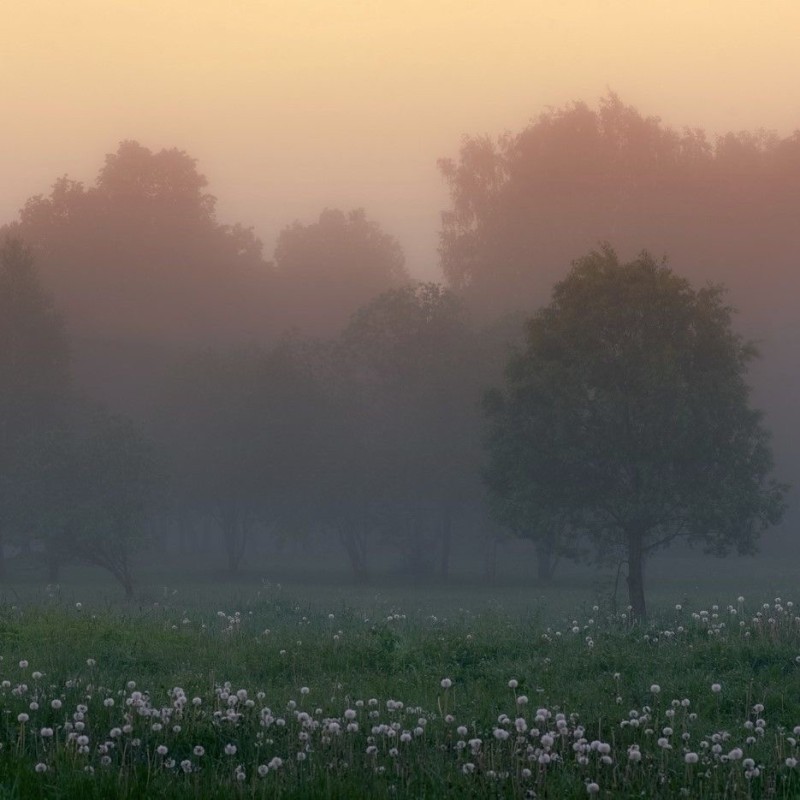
x: 529, y: 201
x: 140, y: 265
x: 335, y: 265
x: 627, y: 418
x: 408, y: 356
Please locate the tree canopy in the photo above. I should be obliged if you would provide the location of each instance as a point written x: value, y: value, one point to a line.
x: 627, y: 416
x: 527, y: 202
x: 333, y: 266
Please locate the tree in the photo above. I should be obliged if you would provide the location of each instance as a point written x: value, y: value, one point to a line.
x: 527, y: 202
x: 140, y: 266
x: 109, y: 487
x: 240, y: 430
x: 333, y: 266
x: 627, y: 415
x: 408, y: 355
x: 34, y: 392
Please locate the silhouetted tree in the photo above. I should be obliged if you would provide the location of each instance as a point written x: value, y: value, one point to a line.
x: 140, y: 266
x: 532, y: 200
x: 628, y: 417
x: 528, y: 202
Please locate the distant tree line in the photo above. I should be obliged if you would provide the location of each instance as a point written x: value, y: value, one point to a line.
x: 324, y: 392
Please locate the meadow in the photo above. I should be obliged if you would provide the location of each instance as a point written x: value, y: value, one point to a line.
x: 262, y: 688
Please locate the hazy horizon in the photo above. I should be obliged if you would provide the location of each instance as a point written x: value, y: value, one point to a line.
x: 291, y: 107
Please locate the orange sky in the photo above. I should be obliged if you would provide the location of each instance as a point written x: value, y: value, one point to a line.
x: 294, y: 105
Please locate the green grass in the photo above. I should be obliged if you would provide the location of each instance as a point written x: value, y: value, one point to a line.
x: 391, y: 643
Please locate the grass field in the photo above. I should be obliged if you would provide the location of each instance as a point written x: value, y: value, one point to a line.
x: 255, y: 689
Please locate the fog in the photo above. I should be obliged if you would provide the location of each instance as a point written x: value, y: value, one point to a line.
x: 292, y: 107
x: 278, y: 252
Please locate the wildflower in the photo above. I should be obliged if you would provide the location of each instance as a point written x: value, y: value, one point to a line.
x: 304, y: 690
x: 654, y: 689
x: 23, y: 664
x: 791, y: 763
x: 522, y: 700
x: 691, y: 758
x: 199, y: 750
x: 276, y: 763
x: 592, y: 788
x: 262, y: 770
x: 161, y: 750
x: 186, y: 765
x: 716, y: 688
x: 22, y: 718
x: 41, y: 767
x: 55, y: 704
x: 230, y: 749
x: 46, y: 733
x: 446, y: 683
x: 512, y: 684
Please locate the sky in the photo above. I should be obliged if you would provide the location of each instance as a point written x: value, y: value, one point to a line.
x: 292, y: 106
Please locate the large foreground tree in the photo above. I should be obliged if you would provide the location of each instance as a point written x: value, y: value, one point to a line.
x: 627, y: 417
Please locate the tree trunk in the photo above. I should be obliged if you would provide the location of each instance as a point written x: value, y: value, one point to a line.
x: 354, y: 543
x: 490, y: 564
x: 636, y: 576
x: 416, y: 562
x: 545, y: 562
x: 447, y: 537
x: 231, y: 549
x: 235, y: 535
